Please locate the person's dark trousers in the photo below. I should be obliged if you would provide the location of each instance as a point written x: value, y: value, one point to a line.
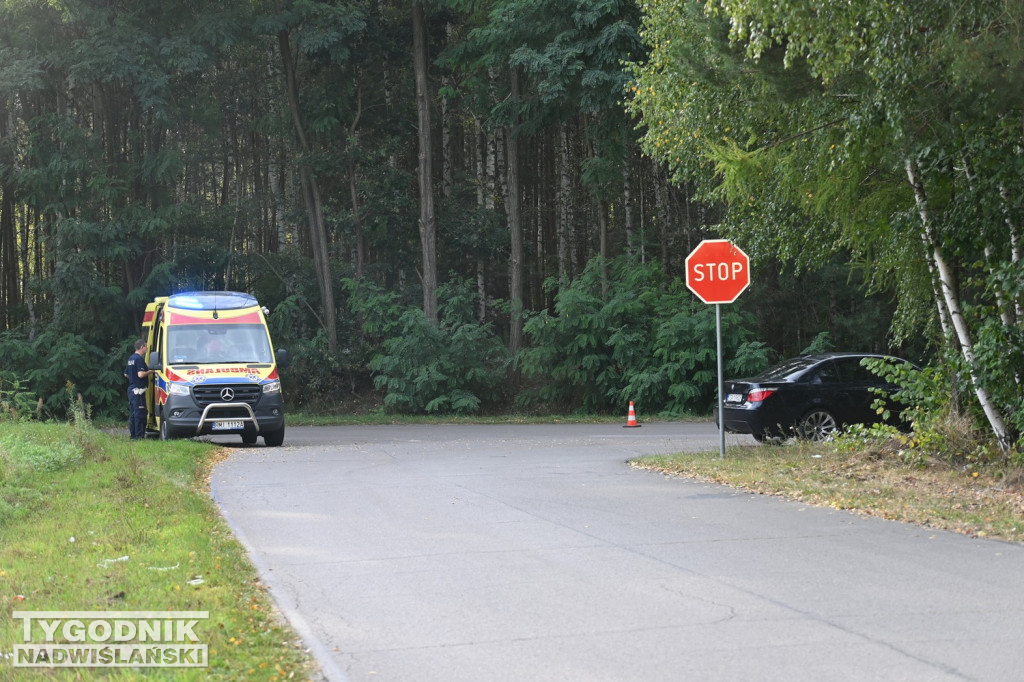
x: 136, y: 414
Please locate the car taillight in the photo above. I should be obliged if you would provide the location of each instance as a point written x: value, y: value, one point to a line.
x: 759, y: 394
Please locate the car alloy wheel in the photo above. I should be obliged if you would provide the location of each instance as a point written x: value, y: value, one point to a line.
x: 817, y: 426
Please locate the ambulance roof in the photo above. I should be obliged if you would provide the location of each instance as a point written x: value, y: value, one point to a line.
x: 211, y: 300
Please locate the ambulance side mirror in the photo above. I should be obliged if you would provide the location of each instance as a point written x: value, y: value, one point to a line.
x: 154, y: 360
x: 282, y: 358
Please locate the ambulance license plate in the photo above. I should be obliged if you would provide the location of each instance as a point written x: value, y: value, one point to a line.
x: 227, y: 426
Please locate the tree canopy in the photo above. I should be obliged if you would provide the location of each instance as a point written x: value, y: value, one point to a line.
x: 888, y: 131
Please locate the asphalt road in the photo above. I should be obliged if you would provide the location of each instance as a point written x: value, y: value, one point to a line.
x: 530, y: 553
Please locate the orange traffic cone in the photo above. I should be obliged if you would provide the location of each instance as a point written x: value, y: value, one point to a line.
x: 631, y: 417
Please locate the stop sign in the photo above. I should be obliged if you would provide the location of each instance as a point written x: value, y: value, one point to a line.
x: 717, y: 271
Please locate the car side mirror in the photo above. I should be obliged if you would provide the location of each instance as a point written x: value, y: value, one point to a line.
x: 282, y: 358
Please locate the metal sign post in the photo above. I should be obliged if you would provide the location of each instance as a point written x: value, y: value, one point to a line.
x: 721, y: 383
x: 718, y: 272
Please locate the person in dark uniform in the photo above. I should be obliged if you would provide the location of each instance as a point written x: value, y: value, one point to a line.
x: 138, y: 379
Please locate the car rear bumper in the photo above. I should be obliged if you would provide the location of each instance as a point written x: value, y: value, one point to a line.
x: 752, y: 420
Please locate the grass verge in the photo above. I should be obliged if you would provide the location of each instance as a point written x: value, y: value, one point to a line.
x: 94, y: 522
x: 985, y: 503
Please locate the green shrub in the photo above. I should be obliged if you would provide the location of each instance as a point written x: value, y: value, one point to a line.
x: 16, y: 402
x: 456, y: 366
x: 940, y: 409
x: 639, y: 337
x: 45, y: 365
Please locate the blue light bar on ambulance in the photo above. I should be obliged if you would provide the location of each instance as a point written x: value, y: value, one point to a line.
x: 211, y: 300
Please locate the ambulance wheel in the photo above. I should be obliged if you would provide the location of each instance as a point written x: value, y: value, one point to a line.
x: 165, y: 431
x: 274, y: 438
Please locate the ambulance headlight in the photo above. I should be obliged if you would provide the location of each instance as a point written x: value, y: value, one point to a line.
x: 177, y: 389
x: 272, y: 387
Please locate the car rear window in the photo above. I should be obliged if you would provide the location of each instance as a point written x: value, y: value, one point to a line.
x: 785, y: 370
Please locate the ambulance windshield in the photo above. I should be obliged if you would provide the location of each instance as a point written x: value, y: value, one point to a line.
x: 218, y: 344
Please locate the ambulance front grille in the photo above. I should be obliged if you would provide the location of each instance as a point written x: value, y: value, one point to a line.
x: 218, y: 393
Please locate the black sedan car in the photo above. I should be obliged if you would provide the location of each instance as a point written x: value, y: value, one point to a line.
x: 809, y: 397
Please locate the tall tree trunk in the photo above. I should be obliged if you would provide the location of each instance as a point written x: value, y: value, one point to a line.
x: 478, y: 155
x: 428, y: 226
x: 512, y: 210
x: 276, y: 184
x: 8, y: 260
x: 951, y: 298
x: 661, y: 210
x: 447, y: 123
x: 602, y: 240
x: 627, y: 208
x: 475, y: 153
x: 29, y: 264
x: 357, y: 221
x: 313, y: 202
x: 8, y: 239
x: 564, y: 208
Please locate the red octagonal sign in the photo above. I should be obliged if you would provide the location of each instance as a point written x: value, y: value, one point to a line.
x: 717, y: 271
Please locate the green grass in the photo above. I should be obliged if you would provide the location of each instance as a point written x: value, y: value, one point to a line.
x: 878, y: 482
x: 74, y: 502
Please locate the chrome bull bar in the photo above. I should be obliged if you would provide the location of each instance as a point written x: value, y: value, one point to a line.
x: 205, y: 416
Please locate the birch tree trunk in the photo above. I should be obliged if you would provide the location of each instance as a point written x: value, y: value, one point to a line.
x: 951, y: 300
x: 1015, y: 248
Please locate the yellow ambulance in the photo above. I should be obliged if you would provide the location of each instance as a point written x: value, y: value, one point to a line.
x: 216, y: 372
